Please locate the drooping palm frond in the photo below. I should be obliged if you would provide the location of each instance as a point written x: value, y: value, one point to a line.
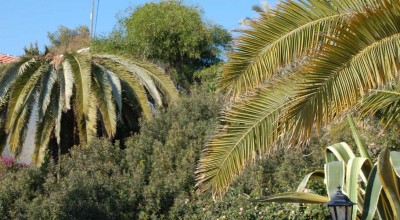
x: 45, y: 127
x: 84, y: 106
x: 357, y: 53
x: 362, y: 57
x: 48, y: 81
x: 131, y: 79
x: 250, y: 128
x: 387, y: 101
x: 292, y: 31
x: 23, y: 88
x: 11, y: 71
x: 102, y: 91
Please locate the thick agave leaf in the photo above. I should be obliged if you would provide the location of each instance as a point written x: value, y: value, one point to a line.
x: 339, y: 152
x: 318, y: 174
x: 356, y: 137
x: 372, y: 195
x: 390, y: 182
x: 395, y: 161
x: 295, y: 197
x: 353, y: 173
x: 334, y: 176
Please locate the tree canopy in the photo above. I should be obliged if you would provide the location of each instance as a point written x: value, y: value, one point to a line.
x: 172, y: 34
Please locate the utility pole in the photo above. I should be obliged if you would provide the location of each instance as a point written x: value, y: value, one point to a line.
x: 91, y: 20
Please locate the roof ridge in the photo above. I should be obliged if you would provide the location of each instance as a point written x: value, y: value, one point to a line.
x: 5, y: 58
x: 5, y: 54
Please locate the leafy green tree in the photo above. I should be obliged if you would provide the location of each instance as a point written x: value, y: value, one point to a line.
x: 173, y: 34
x: 298, y: 67
x: 75, y: 97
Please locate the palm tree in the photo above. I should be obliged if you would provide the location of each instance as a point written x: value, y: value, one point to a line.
x: 296, y: 68
x: 75, y: 97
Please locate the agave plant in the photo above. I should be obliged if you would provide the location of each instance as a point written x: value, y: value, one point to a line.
x: 375, y: 188
x: 84, y: 92
x: 295, y: 69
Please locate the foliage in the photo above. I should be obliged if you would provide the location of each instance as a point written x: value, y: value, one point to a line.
x: 209, y: 76
x: 173, y: 34
x: 374, y: 188
x: 69, y: 40
x: 299, y: 67
x: 152, y: 177
x: 76, y: 97
x: 19, y: 185
x: 94, y: 184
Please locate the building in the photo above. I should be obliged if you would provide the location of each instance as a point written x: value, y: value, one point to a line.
x: 7, y: 58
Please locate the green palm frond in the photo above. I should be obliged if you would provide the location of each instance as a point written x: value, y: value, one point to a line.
x: 102, y: 91
x: 83, y: 103
x: 132, y: 80
x: 47, y: 83
x: 153, y: 77
x: 291, y: 32
x: 3, y: 133
x: 12, y: 71
x: 350, y: 56
x: 23, y: 89
x: 361, y: 58
x: 115, y: 88
x: 161, y: 79
x: 20, y: 128
x: 387, y: 101
x: 251, y: 127
x: 45, y: 127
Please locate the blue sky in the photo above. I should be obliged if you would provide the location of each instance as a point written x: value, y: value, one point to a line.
x: 26, y: 21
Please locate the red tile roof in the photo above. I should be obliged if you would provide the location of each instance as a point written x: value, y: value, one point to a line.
x: 7, y: 58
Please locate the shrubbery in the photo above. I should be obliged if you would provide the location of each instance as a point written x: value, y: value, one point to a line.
x: 151, y: 175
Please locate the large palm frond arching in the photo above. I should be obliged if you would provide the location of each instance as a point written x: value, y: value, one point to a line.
x: 91, y: 87
x: 291, y: 33
x: 324, y: 70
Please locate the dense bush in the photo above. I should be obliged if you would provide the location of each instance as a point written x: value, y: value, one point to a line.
x: 151, y: 177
